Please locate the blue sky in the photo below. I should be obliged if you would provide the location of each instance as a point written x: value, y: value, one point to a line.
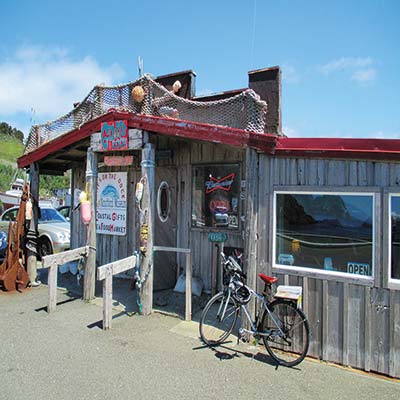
x: 340, y: 59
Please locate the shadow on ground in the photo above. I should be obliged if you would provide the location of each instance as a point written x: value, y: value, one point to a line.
x: 125, y: 297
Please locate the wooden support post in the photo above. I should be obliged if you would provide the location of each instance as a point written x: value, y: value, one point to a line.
x: 188, y: 310
x: 33, y: 225
x: 148, y: 202
x: 250, y: 251
x: 107, y: 299
x: 90, y: 267
x: 52, y: 284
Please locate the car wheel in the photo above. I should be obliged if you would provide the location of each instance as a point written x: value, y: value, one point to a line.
x: 45, y: 247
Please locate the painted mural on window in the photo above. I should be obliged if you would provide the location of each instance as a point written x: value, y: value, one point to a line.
x: 395, y: 237
x: 216, y: 192
x: 332, y: 232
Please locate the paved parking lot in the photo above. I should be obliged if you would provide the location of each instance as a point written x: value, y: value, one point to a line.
x: 66, y: 355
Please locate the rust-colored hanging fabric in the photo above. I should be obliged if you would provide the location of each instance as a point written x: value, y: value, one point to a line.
x: 13, y: 275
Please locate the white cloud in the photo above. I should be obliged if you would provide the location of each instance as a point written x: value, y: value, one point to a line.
x: 289, y: 73
x: 358, y: 69
x: 364, y: 76
x: 345, y: 63
x: 49, y: 81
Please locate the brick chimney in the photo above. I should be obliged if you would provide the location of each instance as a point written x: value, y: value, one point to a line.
x: 267, y: 84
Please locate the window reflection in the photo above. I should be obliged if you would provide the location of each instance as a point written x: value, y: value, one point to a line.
x: 395, y: 236
x: 325, y: 231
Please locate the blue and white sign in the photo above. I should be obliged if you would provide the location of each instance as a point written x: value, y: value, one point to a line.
x: 111, y: 203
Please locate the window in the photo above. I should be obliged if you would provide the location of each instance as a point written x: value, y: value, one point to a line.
x: 163, y: 201
x: 394, y: 237
x: 47, y: 215
x: 325, y: 231
x: 215, y: 196
x: 10, y: 215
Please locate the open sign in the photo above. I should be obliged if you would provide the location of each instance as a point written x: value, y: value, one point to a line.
x: 359, y: 268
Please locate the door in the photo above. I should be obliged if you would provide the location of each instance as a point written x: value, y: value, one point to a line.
x: 165, y: 232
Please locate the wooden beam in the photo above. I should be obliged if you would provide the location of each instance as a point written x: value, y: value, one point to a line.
x: 105, y: 273
x: 116, y: 267
x: 52, y: 288
x: 107, y: 300
x: 64, y: 257
x: 188, y: 307
x: 148, y: 204
x: 53, y: 172
x: 171, y: 249
x: 90, y: 267
x: 250, y: 228
x: 52, y: 262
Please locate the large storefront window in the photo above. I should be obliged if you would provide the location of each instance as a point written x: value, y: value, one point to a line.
x: 324, y: 231
x: 394, y: 237
x: 215, y: 197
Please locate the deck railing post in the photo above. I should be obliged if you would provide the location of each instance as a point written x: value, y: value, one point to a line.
x: 107, y: 299
x: 52, y: 282
x: 188, y: 309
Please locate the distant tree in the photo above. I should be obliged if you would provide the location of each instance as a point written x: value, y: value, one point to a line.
x: 10, y: 131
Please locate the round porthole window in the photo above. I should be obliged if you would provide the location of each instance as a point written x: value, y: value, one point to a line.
x: 163, y: 201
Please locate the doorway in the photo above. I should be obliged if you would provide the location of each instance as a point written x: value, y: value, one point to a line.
x: 165, y: 227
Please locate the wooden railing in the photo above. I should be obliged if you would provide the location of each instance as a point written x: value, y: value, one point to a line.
x: 52, y: 262
x: 106, y: 272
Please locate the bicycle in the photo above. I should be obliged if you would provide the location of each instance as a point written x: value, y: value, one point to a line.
x: 282, y: 326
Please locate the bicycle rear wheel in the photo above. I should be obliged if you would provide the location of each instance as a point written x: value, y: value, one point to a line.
x: 290, y: 346
x: 218, y: 319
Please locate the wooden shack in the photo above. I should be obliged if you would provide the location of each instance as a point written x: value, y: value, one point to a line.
x: 323, y: 214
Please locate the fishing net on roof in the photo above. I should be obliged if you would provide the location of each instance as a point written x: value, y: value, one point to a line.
x: 244, y: 111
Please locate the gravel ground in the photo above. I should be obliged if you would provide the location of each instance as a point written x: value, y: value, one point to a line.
x: 66, y: 355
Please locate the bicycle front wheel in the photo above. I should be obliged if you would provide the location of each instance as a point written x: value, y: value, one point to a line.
x: 286, y: 332
x: 218, y: 319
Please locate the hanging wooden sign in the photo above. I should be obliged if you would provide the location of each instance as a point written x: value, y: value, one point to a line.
x: 118, y: 161
x: 217, y: 237
x: 115, y: 135
x: 111, y: 213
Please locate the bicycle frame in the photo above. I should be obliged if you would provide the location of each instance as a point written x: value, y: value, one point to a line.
x: 254, y: 324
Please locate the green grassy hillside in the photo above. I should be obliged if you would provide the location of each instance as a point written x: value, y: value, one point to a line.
x: 10, y: 149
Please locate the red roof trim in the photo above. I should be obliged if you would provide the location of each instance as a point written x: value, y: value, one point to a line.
x: 369, y: 149
x: 373, y: 149
x: 170, y: 127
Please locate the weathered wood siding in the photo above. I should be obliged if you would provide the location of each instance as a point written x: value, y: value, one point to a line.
x: 351, y: 323
x: 109, y: 248
x: 184, y: 155
x: 187, y: 155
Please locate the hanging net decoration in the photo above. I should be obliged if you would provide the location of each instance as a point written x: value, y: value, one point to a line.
x: 145, y: 96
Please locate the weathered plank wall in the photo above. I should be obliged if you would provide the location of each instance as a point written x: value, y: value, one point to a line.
x: 351, y: 324
x: 109, y: 248
x: 187, y: 155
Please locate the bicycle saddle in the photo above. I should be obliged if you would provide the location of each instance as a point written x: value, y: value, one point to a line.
x: 268, y: 279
